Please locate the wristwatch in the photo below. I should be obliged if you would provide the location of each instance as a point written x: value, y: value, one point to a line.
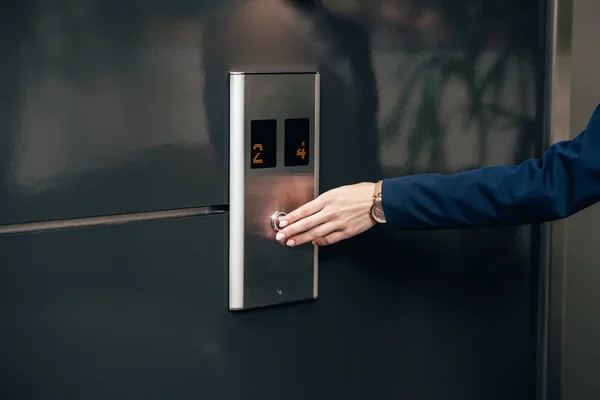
x: 376, y: 210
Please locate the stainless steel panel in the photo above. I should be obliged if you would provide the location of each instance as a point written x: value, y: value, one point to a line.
x: 109, y: 220
x: 554, y: 235
x: 581, y: 347
x: 262, y: 272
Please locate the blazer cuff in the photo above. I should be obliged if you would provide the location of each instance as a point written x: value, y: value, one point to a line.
x: 394, y: 192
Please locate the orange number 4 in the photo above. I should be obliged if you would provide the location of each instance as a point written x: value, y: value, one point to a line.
x: 301, y: 152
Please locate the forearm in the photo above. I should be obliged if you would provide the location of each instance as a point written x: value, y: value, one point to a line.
x: 470, y: 199
x: 565, y: 181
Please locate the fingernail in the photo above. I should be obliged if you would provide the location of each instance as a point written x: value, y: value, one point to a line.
x: 314, y: 243
x: 282, y: 223
x: 290, y: 243
x: 279, y: 236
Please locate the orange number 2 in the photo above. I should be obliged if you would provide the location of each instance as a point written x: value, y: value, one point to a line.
x: 256, y: 159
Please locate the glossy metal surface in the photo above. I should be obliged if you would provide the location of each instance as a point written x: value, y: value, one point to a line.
x: 108, y: 108
x: 581, y: 348
x: 120, y: 312
x: 558, y: 100
x: 276, y: 219
x: 109, y: 220
x: 262, y: 272
x: 102, y: 115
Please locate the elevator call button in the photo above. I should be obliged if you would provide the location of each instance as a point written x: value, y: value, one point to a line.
x: 297, y: 132
x: 263, y: 143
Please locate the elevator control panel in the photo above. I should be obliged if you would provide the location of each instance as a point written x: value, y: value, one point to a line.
x: 273, y: 169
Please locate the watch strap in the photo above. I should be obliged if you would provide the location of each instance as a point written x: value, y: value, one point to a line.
x: 377, y: 196
x: 377, y: 204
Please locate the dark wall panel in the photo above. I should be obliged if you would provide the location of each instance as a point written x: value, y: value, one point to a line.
x: 139, y: 311
x: 109, y: 107
x: 102, y: 111
x: 130, y: 311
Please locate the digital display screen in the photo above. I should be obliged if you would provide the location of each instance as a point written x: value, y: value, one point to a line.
x: 263, y: 143
x: 297, y: 149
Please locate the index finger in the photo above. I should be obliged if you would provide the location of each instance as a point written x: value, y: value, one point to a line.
x: 301, y: 212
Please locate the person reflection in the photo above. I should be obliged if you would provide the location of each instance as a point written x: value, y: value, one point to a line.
x: 270, y: 193
x: 292, y: 35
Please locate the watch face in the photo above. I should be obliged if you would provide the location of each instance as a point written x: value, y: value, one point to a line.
x: 377, y: 213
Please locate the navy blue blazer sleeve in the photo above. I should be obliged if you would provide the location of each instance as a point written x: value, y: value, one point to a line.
x: 565, y: 181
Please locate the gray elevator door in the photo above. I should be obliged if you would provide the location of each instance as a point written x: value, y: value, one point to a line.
x: 114, y: 109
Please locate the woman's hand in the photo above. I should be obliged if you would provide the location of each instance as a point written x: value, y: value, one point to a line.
x: 336, y: 215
